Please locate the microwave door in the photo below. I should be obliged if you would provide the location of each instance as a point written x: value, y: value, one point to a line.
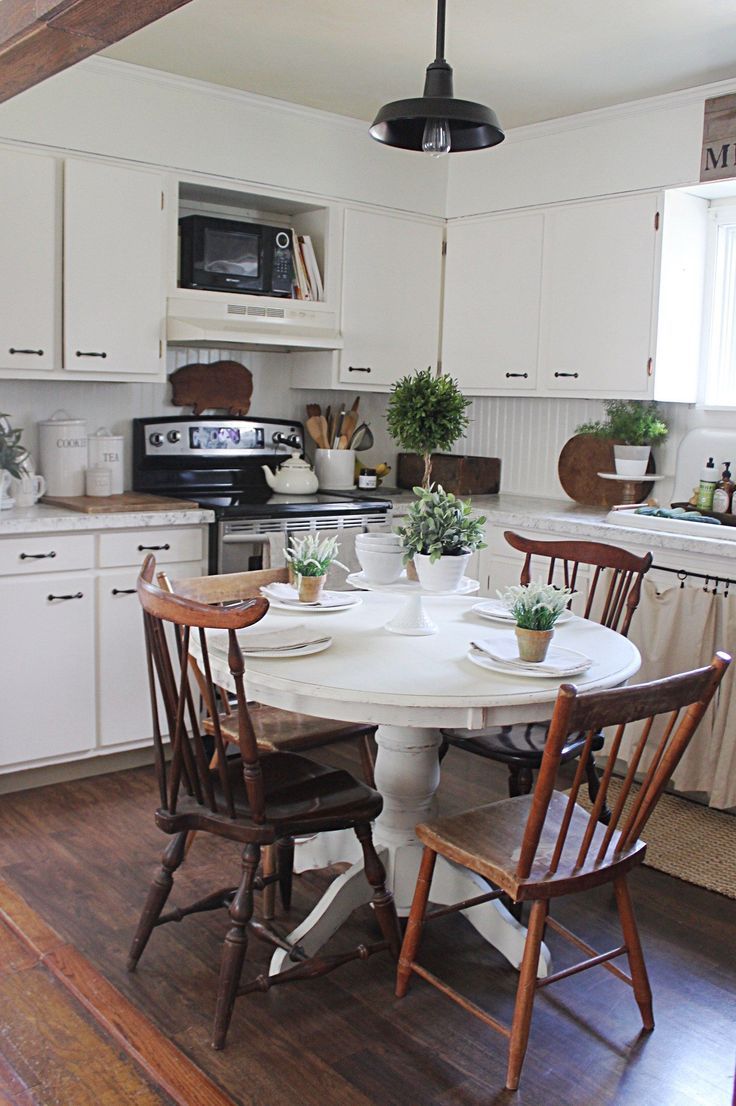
x: 231, y: 259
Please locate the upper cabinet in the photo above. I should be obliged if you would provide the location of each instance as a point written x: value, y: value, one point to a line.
x: 493, y: 278
x: 114, y: 269
x: 391, y: 292
x: 30, y: 246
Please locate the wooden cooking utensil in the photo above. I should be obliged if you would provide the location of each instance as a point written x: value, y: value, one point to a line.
x: 313, y: 409
x: 348, y: 425
x: 317, y: 430
x: 323, y: 441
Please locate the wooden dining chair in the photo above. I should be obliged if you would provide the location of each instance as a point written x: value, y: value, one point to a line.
x: 254, y: 798
x: 543, y: 846
x: 613, y: 595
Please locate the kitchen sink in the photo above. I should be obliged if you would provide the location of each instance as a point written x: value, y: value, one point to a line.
x: 671, y: 525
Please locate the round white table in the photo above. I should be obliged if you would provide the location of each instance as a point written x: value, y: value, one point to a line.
x: 411, y: 687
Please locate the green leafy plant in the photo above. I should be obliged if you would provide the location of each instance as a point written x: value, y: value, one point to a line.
x: 426, y: 413
x: 309, y: 556
x: 13, y: 455
x: 629, y: 422
x: 440, y: 525
x: 535, y: 606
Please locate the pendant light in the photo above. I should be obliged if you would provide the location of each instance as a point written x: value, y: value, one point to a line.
x: 436, y: 122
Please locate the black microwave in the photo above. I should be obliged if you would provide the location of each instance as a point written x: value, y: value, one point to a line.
x: 225, y: 255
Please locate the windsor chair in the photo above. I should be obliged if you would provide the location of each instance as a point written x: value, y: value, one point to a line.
x: 543, y: 846
x: 254, y: 798
x: 613, y: 595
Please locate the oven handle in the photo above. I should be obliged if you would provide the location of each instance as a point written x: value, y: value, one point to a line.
x: 243, y: 539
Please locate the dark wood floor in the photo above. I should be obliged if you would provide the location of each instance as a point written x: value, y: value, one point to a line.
x: 82, y: 855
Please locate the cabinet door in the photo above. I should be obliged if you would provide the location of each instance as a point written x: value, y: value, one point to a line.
x: 390, y: 297
x: 124, y: 702
x: 114, y: 291
x: 47, y: 674
x: 493, y: 279
x: 597, y: 297
x: 31, y: 262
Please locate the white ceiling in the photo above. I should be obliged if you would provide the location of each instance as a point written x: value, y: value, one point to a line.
x: 528, y: 59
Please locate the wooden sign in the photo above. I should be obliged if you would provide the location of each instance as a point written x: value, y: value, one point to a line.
x: 718, y: 157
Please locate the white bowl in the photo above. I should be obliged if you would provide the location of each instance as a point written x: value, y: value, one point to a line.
x: 380, y: 567
x: 386, y: 541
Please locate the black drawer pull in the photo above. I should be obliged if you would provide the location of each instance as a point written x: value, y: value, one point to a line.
x: 123, y: 591
x: 77, y: 595
x: 82, y: 353
x: 358, y: 369
x: 522, y: 375
x: 36, y: 556
x: 38, y: 352
x: 152, y: 548
x: 573, y: 375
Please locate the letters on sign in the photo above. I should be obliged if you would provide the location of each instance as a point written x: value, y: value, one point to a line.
x: 718, y: 157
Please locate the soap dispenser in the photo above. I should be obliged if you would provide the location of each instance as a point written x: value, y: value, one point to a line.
x: 708, y: 481
x: 723, y: 494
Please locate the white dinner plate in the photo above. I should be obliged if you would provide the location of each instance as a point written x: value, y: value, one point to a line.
x: 295, y: 651
x: 404, y: 586
x: 555, y: 653
x: 497, y: 611
x: 336, y: 600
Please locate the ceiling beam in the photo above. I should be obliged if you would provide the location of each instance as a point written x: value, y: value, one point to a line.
x: 41, y: 37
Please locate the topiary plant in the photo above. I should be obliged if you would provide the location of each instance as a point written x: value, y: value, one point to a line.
x: 426, y: 413
x: 629, y: 422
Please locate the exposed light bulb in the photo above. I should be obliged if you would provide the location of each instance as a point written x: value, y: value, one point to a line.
x: 436, y: 137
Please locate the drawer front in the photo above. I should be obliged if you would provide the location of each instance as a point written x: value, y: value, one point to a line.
x: 129, y: 547
x: 46, y: 553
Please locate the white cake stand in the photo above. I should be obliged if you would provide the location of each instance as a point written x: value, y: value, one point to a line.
x: 411, y: 619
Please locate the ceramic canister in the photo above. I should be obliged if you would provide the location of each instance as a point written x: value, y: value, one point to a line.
x: 104, y: 448
x: 63, y: 453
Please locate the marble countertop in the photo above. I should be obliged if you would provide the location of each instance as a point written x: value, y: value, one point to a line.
x: 43, y: 518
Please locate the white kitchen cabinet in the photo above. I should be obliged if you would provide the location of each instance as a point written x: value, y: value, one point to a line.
x: 30, y: 274
x: 114, y: 269
x: 47, y: 675
x: 493, y: 281
x: 391, y: 280
x: 598, y: 285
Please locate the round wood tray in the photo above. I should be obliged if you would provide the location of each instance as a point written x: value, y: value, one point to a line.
x: 581, y: 459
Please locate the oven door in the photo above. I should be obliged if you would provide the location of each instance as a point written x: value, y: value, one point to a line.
x: 243, y: 545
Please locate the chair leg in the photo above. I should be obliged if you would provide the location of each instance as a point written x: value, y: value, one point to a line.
x: 268, y: 896
x: 158, y: 893
x: 525, y: 993
x: 642, y: 989
x: 520, y: 780
x: 382, y: 901
x: 285, y: 861
x: 367, y: 759
x: 235, y: 947
x: 415, y: 925
x: 594, y: 786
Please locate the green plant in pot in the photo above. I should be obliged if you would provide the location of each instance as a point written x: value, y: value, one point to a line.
x: 309, y: 561
x: 440, y: 533
x: 13, y: 455
x: 426, y: 413
x: 536, y: 608
x: 633, y: 426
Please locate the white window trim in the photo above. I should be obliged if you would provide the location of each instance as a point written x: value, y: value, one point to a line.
x: 722, y: 213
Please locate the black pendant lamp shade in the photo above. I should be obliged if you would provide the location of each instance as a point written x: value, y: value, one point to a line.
x: 437, y: 122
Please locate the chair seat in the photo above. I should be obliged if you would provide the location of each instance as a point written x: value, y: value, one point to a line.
x: 286, y: 731
x: 522, y: 743
x: 300, y: 796
x: 487, y: 840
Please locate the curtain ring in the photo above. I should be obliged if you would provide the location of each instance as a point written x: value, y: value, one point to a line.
x: 682, y: 577
x: 715, y: 586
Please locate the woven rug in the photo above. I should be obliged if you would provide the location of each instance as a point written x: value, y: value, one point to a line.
x: 687, y: 840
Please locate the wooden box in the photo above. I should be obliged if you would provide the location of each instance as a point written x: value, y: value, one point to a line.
x: 456, y: 473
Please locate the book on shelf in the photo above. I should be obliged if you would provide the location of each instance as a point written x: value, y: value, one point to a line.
x: 301, y: 280
x: 313, y: 273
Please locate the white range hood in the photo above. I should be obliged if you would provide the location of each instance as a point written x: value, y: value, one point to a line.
x: 247, y: 322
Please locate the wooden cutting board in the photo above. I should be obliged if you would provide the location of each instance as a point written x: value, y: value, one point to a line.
x: 581, y: 459
x: 113, y: 504
x: 218, y: 385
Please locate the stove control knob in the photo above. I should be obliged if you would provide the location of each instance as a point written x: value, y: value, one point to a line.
x: 156, y: 439
x: 173, y: 436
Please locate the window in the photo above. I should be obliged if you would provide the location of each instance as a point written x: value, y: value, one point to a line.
x: 719, y: 377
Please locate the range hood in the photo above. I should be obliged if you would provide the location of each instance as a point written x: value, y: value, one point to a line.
x: 251, y: 322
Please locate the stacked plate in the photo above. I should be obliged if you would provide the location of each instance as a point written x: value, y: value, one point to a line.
x: 500, y: 654
x: 296, y: 641
x: 287, y: 598
x: 497, y: 611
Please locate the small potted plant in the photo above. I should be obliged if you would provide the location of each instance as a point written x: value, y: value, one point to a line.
x: 13, y: 455
x: 310, y: 559
x: 439, y: 534
x: 536, y: 607
x: 634, y: 427
x: 426, y: 413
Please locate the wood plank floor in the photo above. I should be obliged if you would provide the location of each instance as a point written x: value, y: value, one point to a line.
x: 82, y: 855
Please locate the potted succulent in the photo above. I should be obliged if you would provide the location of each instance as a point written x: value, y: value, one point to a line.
x: 536, y: 607
x: 13, y: 455
x: 440, y: 533
x: 426, y: 413
x: 634, y: 427
x: 309, y: 560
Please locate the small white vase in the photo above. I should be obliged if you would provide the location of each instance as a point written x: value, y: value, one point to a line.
x: 631, y: 460
x: 443, y: 574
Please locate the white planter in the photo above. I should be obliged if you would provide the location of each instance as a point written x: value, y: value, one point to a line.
x: 444, y: 574
x: 631, y: 460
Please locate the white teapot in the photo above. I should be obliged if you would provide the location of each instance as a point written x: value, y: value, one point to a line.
x: 294, y: 477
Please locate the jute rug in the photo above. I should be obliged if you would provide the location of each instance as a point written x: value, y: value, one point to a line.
x: 687, y: 840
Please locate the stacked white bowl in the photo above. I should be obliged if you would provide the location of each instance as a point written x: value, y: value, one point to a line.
x: 380, y: 555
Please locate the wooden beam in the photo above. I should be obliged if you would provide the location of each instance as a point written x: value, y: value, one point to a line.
x: 41, y: 37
